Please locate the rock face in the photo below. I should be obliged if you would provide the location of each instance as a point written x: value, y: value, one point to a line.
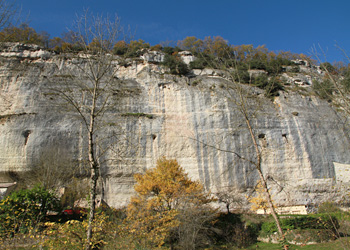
x: 189, y: 119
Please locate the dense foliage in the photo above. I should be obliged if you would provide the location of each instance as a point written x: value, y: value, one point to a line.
x: 24, y: 34
x: 72, y: 233
x: 162, y: 213
x: 175, y: 64
x: 210, y: 52
x: 23, y: 210
x: 318, y: 221
x: 166, y: 205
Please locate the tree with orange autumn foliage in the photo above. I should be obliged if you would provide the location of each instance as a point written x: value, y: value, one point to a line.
x: 163, y: 195
x: 191, y: 43
x: 259, y: 200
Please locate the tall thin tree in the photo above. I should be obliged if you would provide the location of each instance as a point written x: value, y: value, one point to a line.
x: 248, y: 103
x: 90, y: 87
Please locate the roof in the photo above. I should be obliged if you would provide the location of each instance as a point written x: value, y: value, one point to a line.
x: 7, y: 184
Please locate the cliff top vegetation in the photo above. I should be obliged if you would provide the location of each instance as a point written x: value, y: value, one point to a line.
x: 210, y: 52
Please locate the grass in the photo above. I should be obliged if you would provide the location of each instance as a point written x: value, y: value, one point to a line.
x: 115, y: 241
x: 339, y: 244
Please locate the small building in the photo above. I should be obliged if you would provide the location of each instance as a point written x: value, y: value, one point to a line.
x: 6, y: 188
x: 297, y: 209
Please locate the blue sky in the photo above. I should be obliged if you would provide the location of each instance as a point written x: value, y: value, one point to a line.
x: 294, y: 26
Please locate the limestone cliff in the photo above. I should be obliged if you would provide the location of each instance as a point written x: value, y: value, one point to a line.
x: 304, y: 139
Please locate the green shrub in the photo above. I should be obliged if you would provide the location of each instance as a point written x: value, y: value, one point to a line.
x: 317, y: 221
x: 302, y: 236
x: 326, y: 66
x: 257, y: 64
x: 346, y: 81
x: 323, y: 89
x: 328, y: 207
x: 74, y: 191
x: 72, y: 233
x: 156, y: 47
x: 25, y: 209
x: 198, y: 63
x: 271, y: 86
x: 171, y: 50
x: 261, y: 81
x: 230, y: 229
x: 24, y: 34
x: 275, y: 65
x: 120, y: 48
x: 241, y: 76
x: 176, y: 65
x: 136, y: 48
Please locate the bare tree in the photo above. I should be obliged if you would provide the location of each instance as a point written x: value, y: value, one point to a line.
x: 87, y: 82
x: 248, y: 101
x: 230, y: 196
x: 8, y: 11
x: 52, y: 169
x: 335, y: 84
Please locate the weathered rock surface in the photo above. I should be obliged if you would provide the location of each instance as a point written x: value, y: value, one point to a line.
x: 188, y: 119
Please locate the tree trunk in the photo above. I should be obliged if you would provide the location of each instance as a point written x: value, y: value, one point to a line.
x: 93, y: 168
x: 263, y: 181
x: 93, y: 184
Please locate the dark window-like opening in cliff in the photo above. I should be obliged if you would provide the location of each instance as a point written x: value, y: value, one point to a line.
x: 154, y: 137
x: 26, y: 134
x: 162, y: 85
x: 261, y: 136
x: 285, y: 137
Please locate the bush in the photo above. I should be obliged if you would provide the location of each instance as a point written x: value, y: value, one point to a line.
x: 24, y: 34
x: 241, y: 76
x: 176, y: 65
x: 302, y: 236
x: 230, y: 229
x: 156, y: 47
x: 120, y: 48
x: 72, y: 233
x: 261, y: 81
x: 257, y: 64
x: 23, y: 210
x: 275, y: 65
x: 168, y: 50
x: 328, y: 207
x: 346, y: 81
x: 198, y: 64
x: 136, y: 48
x: 168, y: 208
x: 318, y: 221
x: 271, y: 86
x: 193, y: 231
x: 171, y: 50
x: 323, y: 89
x: 326, y: 66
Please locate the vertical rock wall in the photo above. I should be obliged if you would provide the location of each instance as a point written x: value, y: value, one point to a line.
x: 189, y: 119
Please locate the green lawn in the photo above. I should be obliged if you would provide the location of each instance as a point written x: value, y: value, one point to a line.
x: 340, y: 244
